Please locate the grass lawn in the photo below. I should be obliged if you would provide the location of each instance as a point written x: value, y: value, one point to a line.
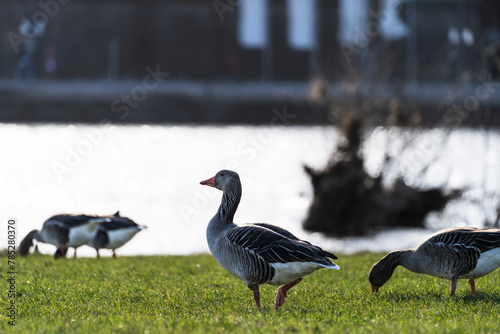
x: 193, y: 294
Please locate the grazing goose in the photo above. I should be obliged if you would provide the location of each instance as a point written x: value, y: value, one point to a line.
x: 114, y: 233
x: 259, y: 253
x: 63, y: 231
x: 451, y: 254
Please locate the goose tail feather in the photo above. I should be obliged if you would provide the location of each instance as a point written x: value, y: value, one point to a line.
x: 26, y: 243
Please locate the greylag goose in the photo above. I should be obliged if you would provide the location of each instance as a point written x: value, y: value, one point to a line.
x: 63, y: 231
x: 114, y: 233
x: 451, y: 254
x: 259, y: 253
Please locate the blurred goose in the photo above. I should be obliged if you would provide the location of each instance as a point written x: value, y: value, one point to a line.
x: 63, y: 231
x: 114, y: 233
x: 451, y: 254
x: 259, y: 253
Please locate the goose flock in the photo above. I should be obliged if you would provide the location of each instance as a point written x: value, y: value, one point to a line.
x: 261, y: 253
x: 70, y: 230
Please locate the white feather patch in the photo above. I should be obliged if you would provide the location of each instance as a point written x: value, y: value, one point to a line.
x: 290, y: 271
x: 119, y: 237
x: 488, y: 261
x: 84, y: 233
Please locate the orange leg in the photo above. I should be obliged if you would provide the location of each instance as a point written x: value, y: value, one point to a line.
x: 282, y: 291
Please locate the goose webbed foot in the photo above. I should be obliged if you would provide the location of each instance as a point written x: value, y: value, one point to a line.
x: 282, y: 292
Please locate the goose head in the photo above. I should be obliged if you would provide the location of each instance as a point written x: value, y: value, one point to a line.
x: 382, y: 271
x: 223, y: 180
x: 378, y: 276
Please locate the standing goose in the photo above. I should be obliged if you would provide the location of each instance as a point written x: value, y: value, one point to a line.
x: 114, y: 233
x: 451, y: 254
x: 63, y: 231
x: 259, y: 253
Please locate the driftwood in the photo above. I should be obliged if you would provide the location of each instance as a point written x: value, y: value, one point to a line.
x: 349, y: 202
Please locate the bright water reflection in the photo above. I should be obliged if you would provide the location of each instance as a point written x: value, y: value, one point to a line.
x: 152, y: 174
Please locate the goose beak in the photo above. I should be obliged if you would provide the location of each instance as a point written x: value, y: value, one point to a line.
x: 210, y: 182
x: 375, y: 288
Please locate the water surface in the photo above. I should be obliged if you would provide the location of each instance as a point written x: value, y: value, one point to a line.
x: 152, y: 174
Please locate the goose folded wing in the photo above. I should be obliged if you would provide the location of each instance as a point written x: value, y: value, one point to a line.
x: 75, y: 220
x: 480, y: 239
x: 279, y: 230
x: 276, y: 248
x: 115, y: 224
x: 486, y: 241
x: 458, y: 259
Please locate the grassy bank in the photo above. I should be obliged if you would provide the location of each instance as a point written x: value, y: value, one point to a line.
x: 179, y: 294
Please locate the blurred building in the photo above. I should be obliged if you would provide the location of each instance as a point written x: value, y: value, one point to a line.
x: 398, y: 42
x: 247, y: 40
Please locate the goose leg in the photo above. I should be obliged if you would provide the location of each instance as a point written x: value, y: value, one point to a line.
x: 74, y: 254
x: 98, y: 256
x: 472, y: 286
x: 453, y: 287
x: 256, y: 293
x: 282, y: 290
x: 256, y: 296
x: 114, y: 254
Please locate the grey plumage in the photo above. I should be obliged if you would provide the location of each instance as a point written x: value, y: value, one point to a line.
x: 63, y: 231
x: 456, y: 253
x: 259, y: 253
x: 114, y: 233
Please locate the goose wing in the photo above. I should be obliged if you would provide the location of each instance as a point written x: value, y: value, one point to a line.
x: 115, y: 224
x: 480, y: 239
x: 279, y: 230
x: 69, y: 220
x: 275, y: 247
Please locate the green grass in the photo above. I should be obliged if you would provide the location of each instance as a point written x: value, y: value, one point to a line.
x: 193, y: 294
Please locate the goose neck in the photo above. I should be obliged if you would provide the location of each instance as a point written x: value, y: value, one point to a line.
x: 396, y: 258
x: 230, y: 199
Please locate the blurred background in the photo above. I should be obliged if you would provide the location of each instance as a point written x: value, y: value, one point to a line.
x: 391, y: 105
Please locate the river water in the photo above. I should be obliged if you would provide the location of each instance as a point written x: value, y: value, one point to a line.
x: 151, y: 173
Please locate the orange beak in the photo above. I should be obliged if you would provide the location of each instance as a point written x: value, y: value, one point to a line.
x: 375, y: 288
x: 210, y: 182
